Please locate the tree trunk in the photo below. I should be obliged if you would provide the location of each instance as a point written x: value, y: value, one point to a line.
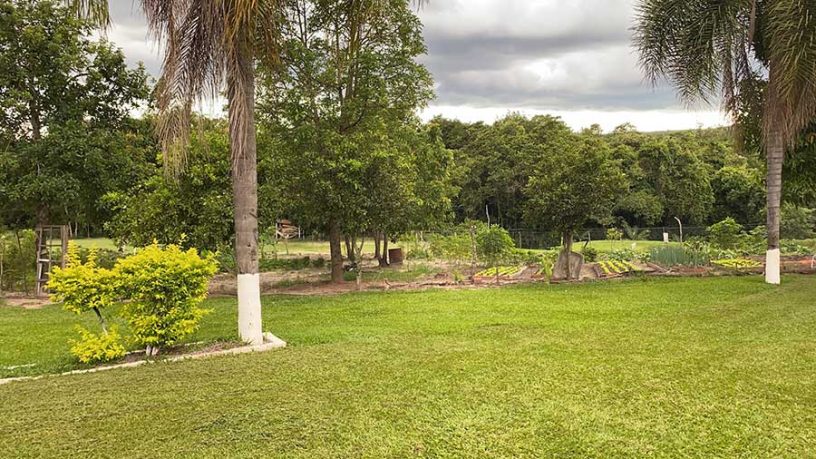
x: 336, y: 253
x: 377, y: 251
x: 775, y: 153
x: 241, y: 96
x: 568, y: 250
x: 358, y: 255
x: 385, y: 261
x: 381, y: 245
x: 350, y: 250
x: 102, y: 322
x: 474, y: 256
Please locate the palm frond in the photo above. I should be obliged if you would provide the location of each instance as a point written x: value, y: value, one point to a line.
x: 701, y: 46
x: 790, y: 32
x: 96, y: 11
x: 210, y: 46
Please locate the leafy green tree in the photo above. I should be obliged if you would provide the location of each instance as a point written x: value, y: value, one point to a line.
x: 738, y: 193
x: 800, y: 170
x: 580, y: 184
x: 725, y: 234
x: 641, y: 207
x: 710, y: 48
x: 64, y: 122
x: 338, y: 109
x: 195, y: 208
x: 495, y: 166
x: 798, y: 222
x: 679, y: 178
x: 456, y: 134
x: 494, y: 245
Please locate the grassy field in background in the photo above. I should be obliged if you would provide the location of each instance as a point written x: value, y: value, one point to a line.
x: 314, y: 248
x: 623, y: 369
x: 610, y: 246
x: 295, y: 247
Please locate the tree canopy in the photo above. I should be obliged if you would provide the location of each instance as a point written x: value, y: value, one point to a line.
x: 65, y: 125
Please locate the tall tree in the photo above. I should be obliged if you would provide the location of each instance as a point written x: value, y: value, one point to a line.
x: 568, y: 189
x: 495, y: 166
x: 66, y: 136
x: 337, y: 104
x: 717, y: 48
x: 211, y: 46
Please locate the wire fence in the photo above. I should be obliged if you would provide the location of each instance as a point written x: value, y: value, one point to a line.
x: 541, y: 240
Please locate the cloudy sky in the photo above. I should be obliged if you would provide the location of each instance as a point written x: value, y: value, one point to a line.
x: 568, y: 58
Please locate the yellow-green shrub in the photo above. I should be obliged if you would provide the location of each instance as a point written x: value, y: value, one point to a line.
x: 93, y: 348
x: 164, y: 288
x: 82, y: 287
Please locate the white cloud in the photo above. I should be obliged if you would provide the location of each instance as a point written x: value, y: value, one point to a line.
x: 643, y: 120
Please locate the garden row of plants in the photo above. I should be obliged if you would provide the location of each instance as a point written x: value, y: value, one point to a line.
x: 727, y: 244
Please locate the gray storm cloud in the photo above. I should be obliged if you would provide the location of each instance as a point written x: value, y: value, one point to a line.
x: 520, y: 54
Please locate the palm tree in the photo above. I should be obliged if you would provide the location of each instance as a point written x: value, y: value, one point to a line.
x: 209, y: 45
x: 716, y: 48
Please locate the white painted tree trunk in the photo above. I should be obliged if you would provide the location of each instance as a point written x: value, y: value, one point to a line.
x: 775, y: 152
x: 243, y: 146
x: 249, y: 309
x: 773, y: 267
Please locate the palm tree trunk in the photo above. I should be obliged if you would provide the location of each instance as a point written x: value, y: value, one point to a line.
x: 241, y: 95
x: 775, y: 153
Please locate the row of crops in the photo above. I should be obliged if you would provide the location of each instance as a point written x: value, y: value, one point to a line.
x: 616, y: 267
x: 505, y: 271
x: 737, y: 263
x: 613, y: 267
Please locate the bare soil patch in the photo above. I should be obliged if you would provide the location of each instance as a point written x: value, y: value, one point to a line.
x: 23, y: 301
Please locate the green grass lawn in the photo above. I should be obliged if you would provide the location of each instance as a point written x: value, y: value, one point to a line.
x: 610, y: 246
x: 295, y: 247
x: 98, y: 243
x: 717, y: 367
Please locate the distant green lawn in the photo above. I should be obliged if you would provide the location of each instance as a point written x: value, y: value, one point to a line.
x: 313, y: 248
x: 717, y: 367
x: 610, y: 246
x: 293, y: 247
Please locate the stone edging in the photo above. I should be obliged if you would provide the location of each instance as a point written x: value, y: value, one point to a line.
x: 271, y: 342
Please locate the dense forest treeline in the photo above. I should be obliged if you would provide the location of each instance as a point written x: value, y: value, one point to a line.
x: 699, y: 176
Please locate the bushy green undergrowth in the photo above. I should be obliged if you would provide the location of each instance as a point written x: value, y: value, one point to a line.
x: 97, y: 347
x: 17, y: 265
